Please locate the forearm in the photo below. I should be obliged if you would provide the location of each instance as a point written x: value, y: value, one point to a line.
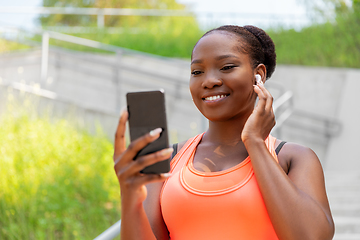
x: 134, y: 222
x: 294, y: 214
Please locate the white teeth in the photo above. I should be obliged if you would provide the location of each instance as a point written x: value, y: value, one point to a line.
x: 212, y: 98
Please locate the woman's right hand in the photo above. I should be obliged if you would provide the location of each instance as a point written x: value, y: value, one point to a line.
x: 132, y: 182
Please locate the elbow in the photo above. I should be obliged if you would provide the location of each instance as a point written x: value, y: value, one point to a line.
x: 320, y: 230
x: 331, y: 229
x: 324, y: 231
x: 328, y: 228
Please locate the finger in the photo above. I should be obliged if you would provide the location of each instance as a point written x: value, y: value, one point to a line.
x: 120, y: 141
x: 149, y: 178
x: 150, y: 159
x: 262, y: 97
x: 268, y: 96
x: 138, y: 144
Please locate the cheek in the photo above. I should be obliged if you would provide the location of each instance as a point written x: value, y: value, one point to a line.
x: 193, y: 87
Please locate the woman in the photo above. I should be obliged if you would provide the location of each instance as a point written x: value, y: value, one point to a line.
x: 229, y: 182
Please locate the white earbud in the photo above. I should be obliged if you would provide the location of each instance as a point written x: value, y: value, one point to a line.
x: 258, y: 79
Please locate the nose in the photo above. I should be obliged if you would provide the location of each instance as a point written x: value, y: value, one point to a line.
x: 211, y: 81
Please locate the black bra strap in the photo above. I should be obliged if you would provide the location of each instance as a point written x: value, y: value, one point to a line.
x: 175, y: 147
x: 277, y: 150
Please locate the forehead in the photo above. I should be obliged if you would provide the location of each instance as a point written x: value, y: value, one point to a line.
x: 218, y: 42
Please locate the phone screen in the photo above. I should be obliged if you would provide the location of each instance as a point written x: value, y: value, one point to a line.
x: 147, y: 112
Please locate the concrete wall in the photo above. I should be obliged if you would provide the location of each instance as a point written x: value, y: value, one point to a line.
x: 343, y: 153
x: 99, y: 83
x: 333, y: 93
x: 316, y: 89
x: 79, y: 79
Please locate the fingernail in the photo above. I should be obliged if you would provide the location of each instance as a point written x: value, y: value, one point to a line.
x: 167, y: 151
x: 123, y: 110
x: 155, y: 132
x: 166, y: 175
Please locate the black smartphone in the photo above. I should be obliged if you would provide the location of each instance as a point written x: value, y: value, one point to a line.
x: 147, y: 112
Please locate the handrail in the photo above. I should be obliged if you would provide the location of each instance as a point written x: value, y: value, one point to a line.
x: 111, y: 232
x: 331, y: 126
x: 96, y: 11
x: 287, y: 96
x: 286, y: 100
x: 47, y: 35
x: 93, y: 44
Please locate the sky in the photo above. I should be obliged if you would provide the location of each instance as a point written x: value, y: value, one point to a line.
x: 257, y: 12
x: 263, y: 13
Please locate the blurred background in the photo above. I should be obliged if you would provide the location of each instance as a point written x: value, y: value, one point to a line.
x: 65, y: 67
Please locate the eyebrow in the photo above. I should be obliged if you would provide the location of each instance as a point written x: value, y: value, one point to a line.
x: 196, y: 61
x: 217, y: 58
x: 226, y: 56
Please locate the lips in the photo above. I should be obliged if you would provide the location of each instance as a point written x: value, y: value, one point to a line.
x: 215, y: 97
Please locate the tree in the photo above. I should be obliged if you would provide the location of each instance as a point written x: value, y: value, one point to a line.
x: 110, y: 21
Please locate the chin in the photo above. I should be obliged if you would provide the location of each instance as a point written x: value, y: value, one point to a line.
x: 216, y: 117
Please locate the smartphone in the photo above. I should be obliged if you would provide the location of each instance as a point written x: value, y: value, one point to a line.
x: 147, y: 112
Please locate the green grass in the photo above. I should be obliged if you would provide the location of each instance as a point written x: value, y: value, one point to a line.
x: 57, y: 182
x: 335, y: 44
x: 323, y: 45
x: 329, y: 44
x: 173, y: 38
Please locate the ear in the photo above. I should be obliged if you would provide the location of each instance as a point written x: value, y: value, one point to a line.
x: 261, y: 70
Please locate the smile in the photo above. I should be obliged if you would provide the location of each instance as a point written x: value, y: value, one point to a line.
x: 214, y: 98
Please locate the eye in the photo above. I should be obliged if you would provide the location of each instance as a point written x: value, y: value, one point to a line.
x: 227, y: 67
x: 195, y: 72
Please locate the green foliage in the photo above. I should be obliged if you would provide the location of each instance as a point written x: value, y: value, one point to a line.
x: 334, y: 44
x: 56, y: 182
x: 7, y: 46
x: 110, y: 21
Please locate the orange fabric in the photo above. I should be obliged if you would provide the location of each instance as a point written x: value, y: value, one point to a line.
x: 216, y: 205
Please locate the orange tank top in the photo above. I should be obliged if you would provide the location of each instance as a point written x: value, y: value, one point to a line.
x: 214, y: 205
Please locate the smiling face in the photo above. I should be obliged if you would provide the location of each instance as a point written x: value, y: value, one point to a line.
x: 222, y: 77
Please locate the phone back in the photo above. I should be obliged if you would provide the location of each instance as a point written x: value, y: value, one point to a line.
x: 147, y: 112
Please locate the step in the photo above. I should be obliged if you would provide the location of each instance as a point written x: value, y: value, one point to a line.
x: 350, y: 209
x: 349, y: 195
x: 347, y: 224
x: 346, y: 236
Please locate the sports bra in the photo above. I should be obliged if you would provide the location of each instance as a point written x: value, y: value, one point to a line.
x: 214, y: 205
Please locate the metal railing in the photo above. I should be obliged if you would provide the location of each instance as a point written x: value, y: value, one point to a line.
x: 111, y: 232
x: 47, y: 35
x: 283, y: 108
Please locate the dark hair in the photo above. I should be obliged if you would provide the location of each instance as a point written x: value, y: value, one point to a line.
x: 258, y: 45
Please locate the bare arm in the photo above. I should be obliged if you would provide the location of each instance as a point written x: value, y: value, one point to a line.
x: 135, y: 224
x: 296, y: 202
x: 153, y: 210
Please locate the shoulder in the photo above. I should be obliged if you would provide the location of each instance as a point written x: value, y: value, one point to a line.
x: 294, y: 157
x: 177, y: 147
x: 181, y: 144
x: 304, y: 170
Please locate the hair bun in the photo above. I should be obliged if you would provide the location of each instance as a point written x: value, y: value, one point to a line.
x: 268, y: 47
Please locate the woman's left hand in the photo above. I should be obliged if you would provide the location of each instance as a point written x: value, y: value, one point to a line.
x: 262, y: 119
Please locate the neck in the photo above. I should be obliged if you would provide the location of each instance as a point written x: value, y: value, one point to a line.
x: 225, y: 133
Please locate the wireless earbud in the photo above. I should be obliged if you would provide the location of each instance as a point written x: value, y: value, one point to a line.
x: 258, y: 79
